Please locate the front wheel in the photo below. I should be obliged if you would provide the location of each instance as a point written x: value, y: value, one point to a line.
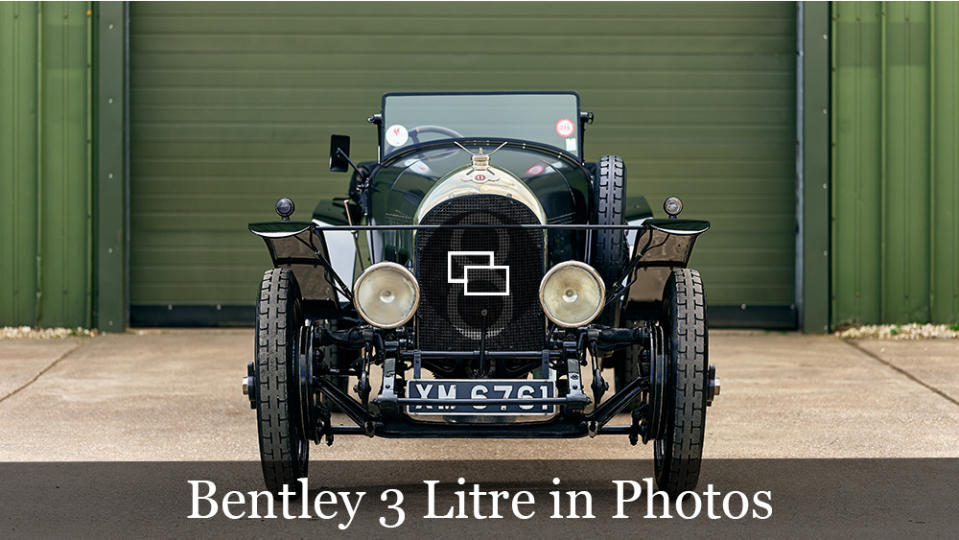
x: 284, y: 450
x: 678, y: 451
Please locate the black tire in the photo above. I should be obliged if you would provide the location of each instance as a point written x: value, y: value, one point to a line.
x: 284, y: 451
x: 608, y: 251
x: 678, y: 452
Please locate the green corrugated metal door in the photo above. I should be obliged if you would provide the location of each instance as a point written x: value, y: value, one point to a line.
x: 233, y: 104
x: 46, y: 208
x: 895, y: 173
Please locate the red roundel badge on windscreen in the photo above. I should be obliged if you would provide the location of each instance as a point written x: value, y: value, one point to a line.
x: 565, y: 127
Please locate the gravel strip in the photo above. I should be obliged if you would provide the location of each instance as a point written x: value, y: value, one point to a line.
x: 901, y: 331
x: 877, y: 331
x: 27, y: 332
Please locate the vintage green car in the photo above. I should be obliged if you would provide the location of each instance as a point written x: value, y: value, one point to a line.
x: 492, y: 265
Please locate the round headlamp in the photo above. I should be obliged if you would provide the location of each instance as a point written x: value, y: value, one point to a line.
x: 572, y: 294
x: 386, y: 295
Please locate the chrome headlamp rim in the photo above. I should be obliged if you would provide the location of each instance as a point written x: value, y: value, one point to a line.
x: 590, y: 270
x: 406, y: 274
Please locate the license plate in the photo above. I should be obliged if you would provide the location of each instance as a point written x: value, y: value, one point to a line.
x: 453, y: 390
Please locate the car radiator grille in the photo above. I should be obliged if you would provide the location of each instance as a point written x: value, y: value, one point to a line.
x: 449, y: 319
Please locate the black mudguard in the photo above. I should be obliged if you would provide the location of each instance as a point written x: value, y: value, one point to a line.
x: 298, y: 246
x: 663, y: 244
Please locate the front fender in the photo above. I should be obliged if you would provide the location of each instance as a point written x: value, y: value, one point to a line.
x: 300, y: 247
x: 289, y: 242
x: 667, y: 242
x: 663, y: 244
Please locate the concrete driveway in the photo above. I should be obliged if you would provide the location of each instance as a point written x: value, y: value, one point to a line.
x: 175, y: 395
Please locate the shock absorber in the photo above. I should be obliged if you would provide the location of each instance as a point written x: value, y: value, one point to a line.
x: 599, y: 386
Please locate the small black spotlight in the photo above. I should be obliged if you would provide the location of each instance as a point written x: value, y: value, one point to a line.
x: 285, y: 208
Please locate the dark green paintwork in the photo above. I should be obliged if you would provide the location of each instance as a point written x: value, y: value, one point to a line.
x: 895, y: 166
x: 279, y: 229
x: 233, y: 105
x: 680, y: 227
x: 561, y: 189
x: 45, y: 189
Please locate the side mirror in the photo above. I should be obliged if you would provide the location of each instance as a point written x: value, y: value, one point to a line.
x: 339, y: 153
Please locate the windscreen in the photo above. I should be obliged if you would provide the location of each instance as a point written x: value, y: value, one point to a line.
x: 551, y: 118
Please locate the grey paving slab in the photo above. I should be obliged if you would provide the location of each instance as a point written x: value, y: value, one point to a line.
x: 175, y: 396
x: 933, y: 361
x: 21, y: 360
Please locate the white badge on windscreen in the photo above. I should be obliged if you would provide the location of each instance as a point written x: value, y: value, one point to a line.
x: 571, y: 144
x: 396, y: 135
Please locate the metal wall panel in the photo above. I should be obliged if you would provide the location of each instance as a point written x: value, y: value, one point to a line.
x: 45, y: 192
x: 944, y: 163
x: 894, y: 199
x: 18, y: 43
x: 233, y: 104
x: 110, y: 176
x: 813, y: 246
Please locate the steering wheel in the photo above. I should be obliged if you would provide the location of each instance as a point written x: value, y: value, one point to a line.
x: 415, y: 132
